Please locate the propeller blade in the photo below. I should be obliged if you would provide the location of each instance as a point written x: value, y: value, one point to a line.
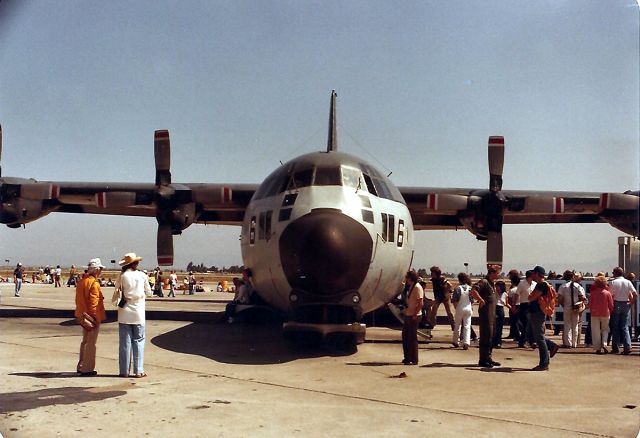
x: 165, y: 245
x: 496, y: 162
x: 162, y: 152
x: 494, y: 248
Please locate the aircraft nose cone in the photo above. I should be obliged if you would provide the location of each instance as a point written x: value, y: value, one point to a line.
x: 325, y: 252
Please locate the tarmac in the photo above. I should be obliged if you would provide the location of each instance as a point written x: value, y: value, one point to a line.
x: 209, y: 378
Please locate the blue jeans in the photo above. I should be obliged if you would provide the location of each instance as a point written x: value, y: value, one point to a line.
x: 536, y: 325
x: 18, y: 286
x: 131, y: 339
x: 620, y: 324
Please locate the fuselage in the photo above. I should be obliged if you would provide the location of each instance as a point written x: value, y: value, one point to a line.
x: 328, y: 238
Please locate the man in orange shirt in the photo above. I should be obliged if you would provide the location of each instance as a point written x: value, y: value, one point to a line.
x: 89, y: 299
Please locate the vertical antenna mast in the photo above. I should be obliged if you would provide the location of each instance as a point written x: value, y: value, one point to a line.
x: 332, y: 138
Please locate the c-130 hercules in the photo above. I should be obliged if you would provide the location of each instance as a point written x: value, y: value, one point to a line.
x: 327, y: 236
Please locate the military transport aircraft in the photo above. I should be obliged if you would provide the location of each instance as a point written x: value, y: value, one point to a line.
x: 327, y: 236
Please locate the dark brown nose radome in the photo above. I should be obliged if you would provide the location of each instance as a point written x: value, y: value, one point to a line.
x: 325, y: 253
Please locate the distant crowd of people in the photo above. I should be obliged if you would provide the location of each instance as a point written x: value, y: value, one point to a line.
x: 158, y: 281
x: 529, y: 301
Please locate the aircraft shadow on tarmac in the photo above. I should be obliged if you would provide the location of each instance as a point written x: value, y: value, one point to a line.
x: 70, y: 395
x: 240, y: 343
x: 474, y: 367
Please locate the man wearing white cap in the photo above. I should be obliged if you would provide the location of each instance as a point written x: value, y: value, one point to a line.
x: 89, y: 299
x: 134, y: 287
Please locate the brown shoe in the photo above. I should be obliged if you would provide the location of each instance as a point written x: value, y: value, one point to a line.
x: 540, y: 368
x: 553, y: 350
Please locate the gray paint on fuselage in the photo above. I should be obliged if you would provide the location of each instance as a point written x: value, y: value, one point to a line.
x: 388, y: 260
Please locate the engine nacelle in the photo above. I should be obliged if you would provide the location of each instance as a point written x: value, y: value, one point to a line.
x: 20, y: 211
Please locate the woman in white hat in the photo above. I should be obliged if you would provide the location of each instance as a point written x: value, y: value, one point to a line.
x: 134, y: 287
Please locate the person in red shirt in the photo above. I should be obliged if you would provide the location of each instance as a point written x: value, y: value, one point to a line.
x: 601, y: 305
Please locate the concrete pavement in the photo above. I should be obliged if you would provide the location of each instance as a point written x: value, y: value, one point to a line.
x: 215, y: 379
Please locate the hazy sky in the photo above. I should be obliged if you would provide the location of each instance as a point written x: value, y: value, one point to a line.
x: 242, y: 85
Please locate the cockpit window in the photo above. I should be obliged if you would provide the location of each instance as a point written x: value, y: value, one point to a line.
x: 370, y: 186
x: 274, y: 184
x: 301, y: 178
x: 290, y: 178
x: 327, y: 176
x: 351, y: 177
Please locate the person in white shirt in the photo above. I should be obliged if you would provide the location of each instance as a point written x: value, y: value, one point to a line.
x: 173, y: 281
x: 134, y: 288
x: 524, y: 290
x: 57, y: 275
x: 512, y: 297
x: 501, y: 302
x: 624, y: 295
x: 462, y: 301
x: 572, y: 298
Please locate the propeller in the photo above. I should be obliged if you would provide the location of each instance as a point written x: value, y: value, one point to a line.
x: 165, y: 245
x: 492, y: 204
x: 164, y: 197
x: 496, y: 162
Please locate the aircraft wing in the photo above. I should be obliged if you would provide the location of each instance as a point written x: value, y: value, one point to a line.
x: 174, y: 205
x: 26, y: 200
x: 483, y: 211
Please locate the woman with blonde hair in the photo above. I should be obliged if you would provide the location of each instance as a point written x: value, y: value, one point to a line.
x: 601, y: 305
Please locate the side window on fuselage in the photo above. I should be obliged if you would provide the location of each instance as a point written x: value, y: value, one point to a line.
x: 252, y: 231
x: 388, y: 227
x: 264, y: 225
x: 400, y: 233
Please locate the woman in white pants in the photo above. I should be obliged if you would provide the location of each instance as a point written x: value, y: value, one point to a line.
x: 462, y: 300
x: 601, y: 305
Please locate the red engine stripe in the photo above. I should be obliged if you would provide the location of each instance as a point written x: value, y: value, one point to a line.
x: 101, y: 200
x: 496, y: 141
x: 432, y: 201
x: 165, y: 260
x: 226, y: 195
x: 161, y: 135
x: 604, y: 201
x: 559, y: 205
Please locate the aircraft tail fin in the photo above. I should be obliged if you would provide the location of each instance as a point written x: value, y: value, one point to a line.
x: 332, y: 138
